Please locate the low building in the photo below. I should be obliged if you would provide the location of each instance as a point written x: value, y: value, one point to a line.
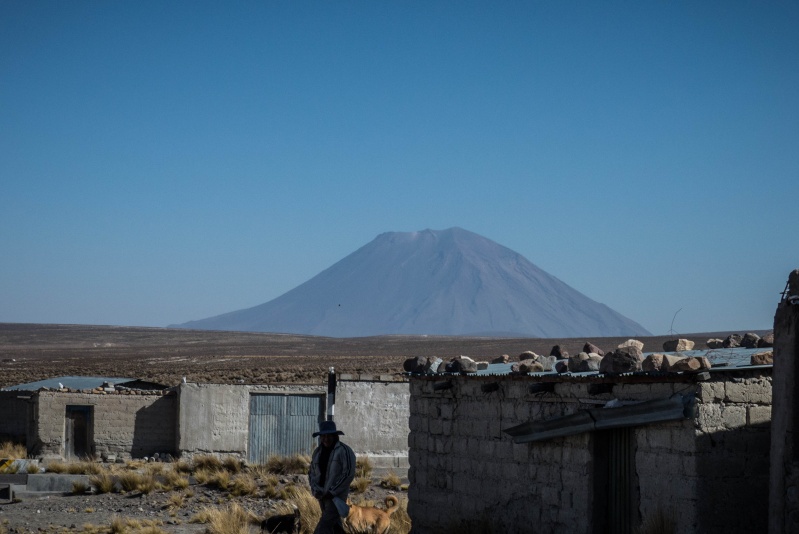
x: 78, y: 417
x: 591, y: 452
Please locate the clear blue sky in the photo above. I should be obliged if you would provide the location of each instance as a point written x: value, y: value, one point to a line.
x: 168, y: 161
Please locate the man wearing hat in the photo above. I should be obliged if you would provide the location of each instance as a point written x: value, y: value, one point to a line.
x: 331, y: 473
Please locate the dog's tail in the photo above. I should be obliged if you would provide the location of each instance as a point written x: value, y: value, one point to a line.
x: 392, y: 503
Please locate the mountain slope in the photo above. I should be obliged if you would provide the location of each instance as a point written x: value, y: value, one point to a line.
x: 449, y: 282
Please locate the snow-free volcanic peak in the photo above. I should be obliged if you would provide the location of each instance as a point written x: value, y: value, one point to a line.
x: 447, y: 282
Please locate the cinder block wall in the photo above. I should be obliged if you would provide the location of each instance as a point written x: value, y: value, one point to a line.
x: 14, y: 415
x: 462, y: 463
x: 373, y: 413
x: 127, y: 426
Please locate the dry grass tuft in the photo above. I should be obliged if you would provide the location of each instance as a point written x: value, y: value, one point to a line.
x: 174, y: 479
x: 175, y: 501
x: 32, y: 469
x: 13, y: 451
x: 400, y: 520
x: 85, y: 467
x: 208, y: 462
x: 391, y: 481
x: 231, y: 519
x: 182, y: 466
x: 221, y: 479
x: 243, y: 484
x: 363, y: 467
x: 129, y: 480
x: 103, y: 482
x: 203, y: 476
x: 79, y: 488
x: 232, y: 464
x: 306, y: 503
x: 360, y: 484
x: 56, y: 467
x: 128, y: 525
x: 147, y: 484
x: 288, y: 465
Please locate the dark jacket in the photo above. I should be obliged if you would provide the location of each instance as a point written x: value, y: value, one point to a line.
x: 340, y: 471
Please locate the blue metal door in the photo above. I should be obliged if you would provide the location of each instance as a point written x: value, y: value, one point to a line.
x: 282, y: 425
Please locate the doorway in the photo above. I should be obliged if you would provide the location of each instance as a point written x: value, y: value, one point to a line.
x: 78, y: 443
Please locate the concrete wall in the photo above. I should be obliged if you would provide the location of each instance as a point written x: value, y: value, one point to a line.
x: 123, y: 425
x: 784, y: 490
x: 462, y: 463
x: 215, y: 418
x: 373, y: 413
x: 14, y: 415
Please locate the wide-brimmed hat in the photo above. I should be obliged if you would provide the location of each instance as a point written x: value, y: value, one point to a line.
x: 327, y: 427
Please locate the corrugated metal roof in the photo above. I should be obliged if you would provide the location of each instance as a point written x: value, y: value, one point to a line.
x: 72, y: 382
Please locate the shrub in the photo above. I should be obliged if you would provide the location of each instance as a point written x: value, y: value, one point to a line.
x: 32, y: 469
x: 102, y: 482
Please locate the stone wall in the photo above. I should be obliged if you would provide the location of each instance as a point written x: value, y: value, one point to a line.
x: 463, y: 463
x: 373, y: 413
x: 126, y: 426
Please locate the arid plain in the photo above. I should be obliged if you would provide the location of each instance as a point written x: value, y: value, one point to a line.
x: 30, y: 352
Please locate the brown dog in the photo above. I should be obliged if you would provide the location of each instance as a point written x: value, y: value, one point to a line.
x: 370, y: 520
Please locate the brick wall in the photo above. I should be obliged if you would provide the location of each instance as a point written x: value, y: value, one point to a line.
x: 466, y: 473
x: 123, y: 425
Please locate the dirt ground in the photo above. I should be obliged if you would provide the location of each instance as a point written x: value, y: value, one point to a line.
x: 94, y: 513
x: 31, y: 352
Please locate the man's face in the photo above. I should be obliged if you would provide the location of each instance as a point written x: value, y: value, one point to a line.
x: 328, y: 440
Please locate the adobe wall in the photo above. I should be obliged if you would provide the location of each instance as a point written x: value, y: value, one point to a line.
x: 462, y: 463
x: 373, y: 413
x: 127, y: 426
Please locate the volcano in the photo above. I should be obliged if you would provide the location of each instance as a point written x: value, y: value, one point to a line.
x: 448, y: 282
